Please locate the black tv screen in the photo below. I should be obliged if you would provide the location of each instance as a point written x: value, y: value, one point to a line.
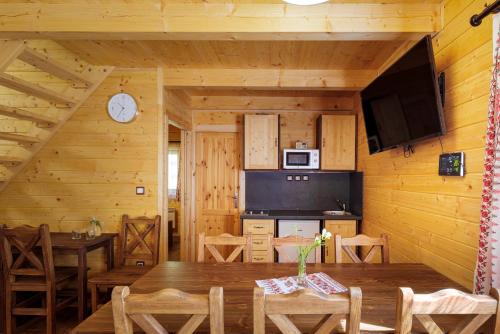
x: 403, y: 104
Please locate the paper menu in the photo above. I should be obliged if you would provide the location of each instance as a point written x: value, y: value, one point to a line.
x: 320, y: 282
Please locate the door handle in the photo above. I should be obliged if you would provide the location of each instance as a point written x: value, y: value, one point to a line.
x: 235, y: 200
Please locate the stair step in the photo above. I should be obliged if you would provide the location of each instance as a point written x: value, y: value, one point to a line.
x: 48, y: 65
x: 29, y: 88
x: 22, y: 139
x: 10, y: 161
x: 10, y: 51
x: 27, y: 115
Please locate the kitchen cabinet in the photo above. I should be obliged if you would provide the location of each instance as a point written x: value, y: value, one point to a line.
x: 347, y: 229
x: 261, y: 141
x: 337, y: 142
x: 260, y: 230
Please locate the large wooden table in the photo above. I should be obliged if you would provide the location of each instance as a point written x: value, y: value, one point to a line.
x: 377, y: 281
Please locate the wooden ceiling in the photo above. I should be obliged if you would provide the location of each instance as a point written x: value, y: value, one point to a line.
x: 236, y: 54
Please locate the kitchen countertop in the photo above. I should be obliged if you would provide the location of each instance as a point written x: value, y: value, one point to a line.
x: 300, y: 214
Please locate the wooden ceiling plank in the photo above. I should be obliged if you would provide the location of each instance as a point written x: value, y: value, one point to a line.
x: 21, y: 139
x: 18, y: 113
x: 42, y: 62
x: 180, y: 20
x: 29, y: 88
x: 268, y: 79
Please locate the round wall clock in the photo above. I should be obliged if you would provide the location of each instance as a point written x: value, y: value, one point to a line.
x: 122, y: 108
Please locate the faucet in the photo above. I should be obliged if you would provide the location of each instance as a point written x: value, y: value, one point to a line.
x: 341, y: 205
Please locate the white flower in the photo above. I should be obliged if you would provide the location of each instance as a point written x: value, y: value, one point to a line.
x: 325, y: 234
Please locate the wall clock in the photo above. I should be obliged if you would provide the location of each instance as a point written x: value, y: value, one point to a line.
x: 122, y: 108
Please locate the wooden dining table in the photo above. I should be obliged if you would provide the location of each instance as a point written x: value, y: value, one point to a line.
x: 62, y: 243
x: 378, y: 282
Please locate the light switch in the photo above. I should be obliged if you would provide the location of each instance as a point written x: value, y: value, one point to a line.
x: 139, y: 191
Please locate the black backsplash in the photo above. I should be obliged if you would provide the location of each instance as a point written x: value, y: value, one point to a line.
x: 271, y: 190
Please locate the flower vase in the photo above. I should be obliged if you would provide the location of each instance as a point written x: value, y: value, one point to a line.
x: 91, y: 232
x: 301, y: 277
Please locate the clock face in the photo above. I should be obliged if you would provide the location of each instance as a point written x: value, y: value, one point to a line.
x: 122, y: 108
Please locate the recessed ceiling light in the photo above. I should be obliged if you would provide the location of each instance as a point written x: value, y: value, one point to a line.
x: 305, y: 2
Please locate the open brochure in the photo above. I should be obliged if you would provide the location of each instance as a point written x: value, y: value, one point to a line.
x: 320, y: 282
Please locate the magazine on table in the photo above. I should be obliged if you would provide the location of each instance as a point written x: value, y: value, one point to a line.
x: 320, y: 282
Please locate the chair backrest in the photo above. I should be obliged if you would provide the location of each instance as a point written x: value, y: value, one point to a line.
x: 307, y: 301
x: 476, y: 308
x: 345, y: 244
x: 21, y: 255
x: 140, y: 240
x: 281, y: 244
x: 243, y: 244
x: 139, y: 308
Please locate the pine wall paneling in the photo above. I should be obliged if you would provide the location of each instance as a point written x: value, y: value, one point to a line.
x: 92, y: 166
x: 433, y: 219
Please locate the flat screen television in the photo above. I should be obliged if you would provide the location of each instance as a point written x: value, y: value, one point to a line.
x: 403, y: 105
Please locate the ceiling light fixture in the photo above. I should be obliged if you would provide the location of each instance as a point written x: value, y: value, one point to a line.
x: 305, y: 2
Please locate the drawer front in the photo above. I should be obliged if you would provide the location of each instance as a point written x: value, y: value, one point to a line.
x: 259, y: 256
x: 257, y: 226
x: 260, y: 242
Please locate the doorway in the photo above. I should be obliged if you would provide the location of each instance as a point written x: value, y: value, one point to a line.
x: 174, y: 163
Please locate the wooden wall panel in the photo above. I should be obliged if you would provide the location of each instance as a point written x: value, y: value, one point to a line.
x: 433, y: 219
x: 92, y: 165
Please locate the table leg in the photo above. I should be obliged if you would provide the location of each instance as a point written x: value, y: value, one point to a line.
x: 82, y: 284
x: 110, y: 250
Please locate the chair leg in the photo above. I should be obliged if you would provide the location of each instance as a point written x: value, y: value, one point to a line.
x: 9, y: 324
x: 51, y: 312
x: 94, y: 296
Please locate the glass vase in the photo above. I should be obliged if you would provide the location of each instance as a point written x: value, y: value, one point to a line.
x: 301, y: 276
x: 91, y: 232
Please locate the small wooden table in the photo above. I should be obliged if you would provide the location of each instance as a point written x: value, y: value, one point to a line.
x: 378, y: 282
x: 63, y: 244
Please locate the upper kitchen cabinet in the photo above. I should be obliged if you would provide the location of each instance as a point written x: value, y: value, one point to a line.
x: 261, y: 141
x: 337, y: 142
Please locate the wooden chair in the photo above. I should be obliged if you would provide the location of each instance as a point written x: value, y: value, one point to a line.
x: 345, y: 244
x: 476, y: 309
x: 136, y: 234
x: 139, y: 308
x: 243, y: 245
x: 291, y: 241
x: 334, y: 308
x: 28, y: 266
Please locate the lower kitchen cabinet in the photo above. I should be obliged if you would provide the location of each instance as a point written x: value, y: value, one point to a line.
x: 346, y: 228
x: 260, y: 230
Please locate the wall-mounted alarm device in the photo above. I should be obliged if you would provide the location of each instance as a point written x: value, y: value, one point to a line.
x: 452, y: 164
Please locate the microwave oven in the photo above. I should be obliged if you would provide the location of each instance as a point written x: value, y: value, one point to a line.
x: 300, y: 159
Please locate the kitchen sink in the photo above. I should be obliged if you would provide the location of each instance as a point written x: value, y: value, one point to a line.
x: 336, y: 213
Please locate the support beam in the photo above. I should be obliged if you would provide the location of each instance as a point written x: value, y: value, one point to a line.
x: 37, y: 59
x: 21, y: 139
x: 9, y: 50
x: 18, y: 113
x: 10, y: 161
x: 236, y: 20
x: 268, y: 79
x: 29, y: 88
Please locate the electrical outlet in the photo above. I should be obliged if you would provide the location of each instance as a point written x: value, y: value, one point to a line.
x: 305, y: 177
x: 289, y: 178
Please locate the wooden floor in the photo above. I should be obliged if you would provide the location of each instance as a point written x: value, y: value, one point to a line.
x: 66, y: 320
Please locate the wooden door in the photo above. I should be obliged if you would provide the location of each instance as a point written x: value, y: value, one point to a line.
x: 218, y: 158
x: 338, y: 142
x: 261, y: 142
x: 346, y: 228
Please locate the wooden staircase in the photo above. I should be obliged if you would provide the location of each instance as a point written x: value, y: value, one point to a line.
x: 38, y: 101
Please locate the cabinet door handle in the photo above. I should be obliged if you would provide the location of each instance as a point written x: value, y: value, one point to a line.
x: 275, y: 142
x: 324, y: 142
